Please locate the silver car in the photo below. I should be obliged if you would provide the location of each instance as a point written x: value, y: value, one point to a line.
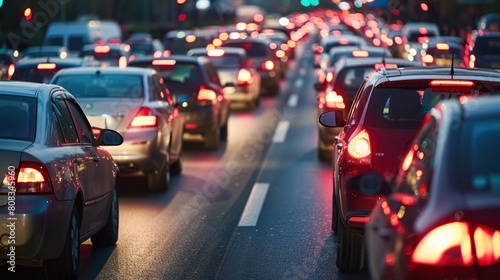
x: 136, y: 103
x: 59, y: 185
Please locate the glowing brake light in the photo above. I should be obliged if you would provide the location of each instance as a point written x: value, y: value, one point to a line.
x: 46, y: 66
x: 422, y: 30
x: 163, y: 62
x: 32, y: 178
x: 102, y: 49
x: 122, y: 62
x: 217, y: 52
x: 244, y: 77
x: 205, y: 94
x: 144, y: 118
x: 386, y: 66
x: 343, y: 41
x: 451, y: 83
x: 359, y: 149
x: 329, y: 77
x: 360, y: 54
x: 333, y: 100
x: 428, y: 59
x: 442, y: 46
x: 10, y: 71
x: 268, y: 65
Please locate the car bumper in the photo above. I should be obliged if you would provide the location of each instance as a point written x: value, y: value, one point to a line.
x: 269, y: 79
x: 41, y: 227
x: 199, y: 122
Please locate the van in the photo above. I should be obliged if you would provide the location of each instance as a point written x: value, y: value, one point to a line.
x: 74, y: 35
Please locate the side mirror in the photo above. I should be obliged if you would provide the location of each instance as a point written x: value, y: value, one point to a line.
x: 109, y: 137
x: 332, y: 119
x: 319, y: 87
x: 370, y: 184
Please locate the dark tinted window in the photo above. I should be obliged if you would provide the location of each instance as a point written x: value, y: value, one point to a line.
x: 110, y: 58
x: 487, y: 45
x: 65, y: 122
x: 181, y: 46
x: 83, y: 126
x: 33, y: 74
x: 18, y: 117
x: 75, y: 43
x: 5, y: 60
x: 252, y: 49
x: 54, y: 41
x: 226, y: 61
x: 102, y: 85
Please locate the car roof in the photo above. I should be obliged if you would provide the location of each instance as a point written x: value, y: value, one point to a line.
x: 18, y: 88
x: 176, y: 57
x: 107, y: 70
x: 230, y: 50
x: 361, y: 48
x: 355, y: 62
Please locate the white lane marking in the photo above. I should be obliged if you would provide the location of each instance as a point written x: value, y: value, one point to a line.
x: 280, y: 132
x: 299, y: 83
x: 293, y: 100
x: 254, y: 205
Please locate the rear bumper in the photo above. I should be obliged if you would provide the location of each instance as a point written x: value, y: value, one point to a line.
x: 199, y: 122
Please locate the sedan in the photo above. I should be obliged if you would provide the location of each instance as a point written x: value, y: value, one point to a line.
x: 59, y: 187
x: 136, y: 103
x: 441, y: 219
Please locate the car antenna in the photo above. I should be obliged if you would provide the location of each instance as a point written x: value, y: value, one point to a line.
x: 383, y: 59
x: 452, y: 67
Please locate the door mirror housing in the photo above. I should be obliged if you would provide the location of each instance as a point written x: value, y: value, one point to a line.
x: 333, y: 118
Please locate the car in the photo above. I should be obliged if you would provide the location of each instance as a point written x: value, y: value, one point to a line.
x: 136, y: 103
x: 280, y: 43
x: 144, y: 44
x: 340, y: 88
x: 334, y: 41
x: 7, y: 64
x: 489, y: 21
x: 240, y: 80
x: 264, y: 59
x: 384, y: 117
x: 107, y: 54
x: 41, y: 70
x: 438, y: 52
x: 44, y: 51
x: 481, y: 50
x: 59, y: 184
x: 436, y: 217
x: 196, y: 89
x: 181, y: 41
x: 415, y: 33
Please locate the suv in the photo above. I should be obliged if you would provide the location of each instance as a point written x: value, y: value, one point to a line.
x: 383, y: 118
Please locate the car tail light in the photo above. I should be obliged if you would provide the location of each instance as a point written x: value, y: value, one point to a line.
x: 32, y: 177
x: 10, y: 71
x: 333, y: 100
x: 428, y: 59
x: 46, y: 66
x: 244, y: 77
x: 122, y: 62
x: 268, y: 65
x: 144, y: 119
x: 443, y: 46
x: 360, y: 53
x: 359, y: 149
x: 487, y: 242
x: 102, y: 49
x: 206, y: 94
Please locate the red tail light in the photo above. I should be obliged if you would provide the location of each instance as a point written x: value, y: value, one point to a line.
x: 487, y: 242
x: 359, y: 149
x: 333, y: 100
x: 244, y: 77
x: 10, y: 71
x: 144, y: 119
x: 428, y: 59
x: 122, y: 62
x: 268, y: 65
x: 206, y: 94
x: 32, y: 177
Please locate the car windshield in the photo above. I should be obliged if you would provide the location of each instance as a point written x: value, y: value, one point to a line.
x: 483, y: 136
x: 102, y: 85
x: 404, y: 108
x: 19, y: 117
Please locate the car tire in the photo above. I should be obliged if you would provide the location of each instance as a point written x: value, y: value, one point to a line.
x: 67, y: 264
x: 108, y: 235
x: 176, y: 167
x: 160, y: 180
x: 212, y: 139
x: 350, y: 250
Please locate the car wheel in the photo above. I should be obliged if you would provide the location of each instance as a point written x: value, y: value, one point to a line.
x: 160, y: 179
x: 67, y: 264
x: 350, y: 250
x: 212, y: 139
x: 176, y: 167
x: 108, y: 235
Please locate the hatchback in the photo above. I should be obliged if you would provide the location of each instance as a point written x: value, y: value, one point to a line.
x: 440, y: 220
x: 384, y: 116
x: 196, y: 88
x: 135, y: 102
x: 59, y: 184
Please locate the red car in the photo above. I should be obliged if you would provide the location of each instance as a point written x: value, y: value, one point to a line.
x: 383, y: 119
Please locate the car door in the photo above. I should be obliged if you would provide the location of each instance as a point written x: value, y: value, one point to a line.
x: 83, y: 165
x: 99, y: 161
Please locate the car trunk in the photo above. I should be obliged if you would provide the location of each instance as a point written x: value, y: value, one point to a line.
x: 114, y: 114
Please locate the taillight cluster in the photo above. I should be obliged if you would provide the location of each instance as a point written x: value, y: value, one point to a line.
x: 268, y: 65
x: 206, y: 95
x: 452, y: 245
x: 359, y: 149
x: 144, y: 119
x: 244, y: 77
x: 31, y: 177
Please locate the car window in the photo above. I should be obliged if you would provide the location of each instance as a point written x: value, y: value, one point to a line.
x: 252, y: 49
x: 185, y: 77
x: 102, y: 85
x: 362, y: 94
x: 18, y: 115
x: 75, y: 43
x: 65, y: 123
x: 483, y: 138
x: 83, y: 127
x: 417, y: 166
x: 226, y: 61
x: 159, y: 91
x: 54, y: 41
x: 487, y: 45
x: 32, y: 74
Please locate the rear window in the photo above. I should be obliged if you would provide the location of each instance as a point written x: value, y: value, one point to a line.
x: 54, y: 41
x: 75, y: 43
x: 487, y: 45
x: 225, y: 61
x: 181, y: 46
x: 483, y: 137
x: 110, y: 58
x: 252, y: 49
x: 18, y: 115
x: 142, y: 48
x: 404, y: 108
x: 35, y: 75
x: 102, y: 85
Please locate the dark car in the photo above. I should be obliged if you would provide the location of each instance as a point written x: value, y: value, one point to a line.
x: 384, y: 116
x: 341, y: 86
x: 482, y: 50
x: 440, y: 220
x: 41, y: 70
x: 240, y: 79
x: 439, y: 52
x: 195, y: 86
x: 181, y: 41
x: 107, y: 54
x: 44, y: 51
x: 62, y: 181
x: 136, y: 103
x: 7, y: 64
x: 264, y: 59
x: 144, y: 44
